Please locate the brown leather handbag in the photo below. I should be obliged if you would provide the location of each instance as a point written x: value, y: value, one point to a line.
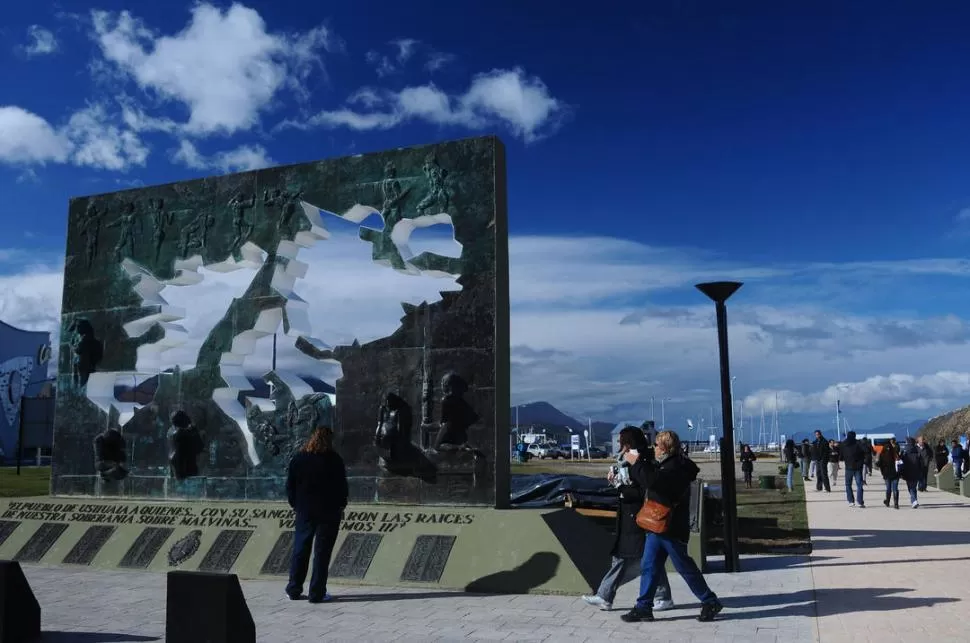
x: 654, y: 517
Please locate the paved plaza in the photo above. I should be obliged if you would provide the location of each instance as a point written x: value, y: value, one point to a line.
x: 876, y: 574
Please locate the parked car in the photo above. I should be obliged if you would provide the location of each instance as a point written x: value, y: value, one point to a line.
x: 543, y: 451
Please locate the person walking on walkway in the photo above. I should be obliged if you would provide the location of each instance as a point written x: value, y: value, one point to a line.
x: 925, y: 461
x: 957, y: 456
x: 942, y: 455
x: 820, y: 459
x: 628, y: 545
x: 889, y: 465
x: 791, y: 458
x: 316, y: 487
x: 869, y: 454
x: 667, y: 481
x: 912, y: 470
x: 833, y: 462
x: 853, y: 455
x: 747, y: 458
x: 805, y: 457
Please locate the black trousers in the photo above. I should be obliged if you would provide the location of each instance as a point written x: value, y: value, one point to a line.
x: 318, y: 534
x: 822, y: 475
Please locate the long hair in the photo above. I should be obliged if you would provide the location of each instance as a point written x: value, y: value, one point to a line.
x: 321, y: 441
x: 633, y: 438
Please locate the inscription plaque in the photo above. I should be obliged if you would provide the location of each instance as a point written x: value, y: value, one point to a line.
x: 6, y: 528
x: 143, y: 550
x: 225, y: 550
x: 89, y: 545
x: 41, y: 542
x: 428, y: 558
x: 278, y: 561
x: 355, y: 555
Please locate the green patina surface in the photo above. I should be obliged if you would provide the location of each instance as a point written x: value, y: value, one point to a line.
x: 227, y: 218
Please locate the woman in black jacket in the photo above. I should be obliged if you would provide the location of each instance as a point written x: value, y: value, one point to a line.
x: 942, y: 454
x: 316, y: 487
x: 667, y: 481
x: 628, y: 546
x: 888, y: 467
x: 747, y: 458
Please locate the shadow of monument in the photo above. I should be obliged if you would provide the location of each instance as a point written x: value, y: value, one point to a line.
x: 536, y: 571
x: 92, y: 637
x: 822, y: 602
x: 411, y: 462
x: 398, y: 596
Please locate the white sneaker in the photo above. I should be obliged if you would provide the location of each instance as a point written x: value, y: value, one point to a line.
x: 662, y: 606
x: 915, y: 504
x: 598, y: 602
x: 852, y: 504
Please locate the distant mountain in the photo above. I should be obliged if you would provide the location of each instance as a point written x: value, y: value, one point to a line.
x: 899, y: 429
x: 948, y: 426
x: 556, y: 423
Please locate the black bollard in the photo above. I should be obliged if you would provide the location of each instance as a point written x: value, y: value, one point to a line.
x: 19, y: 609
x: 207, y: 608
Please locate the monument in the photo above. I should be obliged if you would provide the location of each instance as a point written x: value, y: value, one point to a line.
x: 206, y: 433
x: 162, y: 468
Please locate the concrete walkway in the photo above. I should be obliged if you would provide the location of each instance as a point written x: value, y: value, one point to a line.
x: 890, y: 575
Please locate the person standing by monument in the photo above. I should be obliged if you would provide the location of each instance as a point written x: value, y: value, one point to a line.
x: 628, y: 546
x: 316, y: 488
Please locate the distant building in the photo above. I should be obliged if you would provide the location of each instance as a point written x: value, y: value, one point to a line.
x: 24, y: 358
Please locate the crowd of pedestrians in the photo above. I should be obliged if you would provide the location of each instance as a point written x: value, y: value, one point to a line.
x: 824, y: 460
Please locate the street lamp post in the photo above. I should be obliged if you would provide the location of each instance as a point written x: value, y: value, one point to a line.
x: 663, y: 413
x: 719, y: 292
x: 652, y: 416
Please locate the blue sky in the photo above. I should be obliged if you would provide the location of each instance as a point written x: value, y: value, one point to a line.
x: 816, y: 153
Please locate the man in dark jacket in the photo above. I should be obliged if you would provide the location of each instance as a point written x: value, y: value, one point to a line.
x: 853, y: 455
x: 805, y: 456
x: 667, y: 482
x: 628, y: 545
x: 926, y: 457
x: 820, y: 457
x: 316, y: 487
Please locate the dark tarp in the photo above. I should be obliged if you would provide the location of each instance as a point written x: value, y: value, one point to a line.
x: 550, y: 489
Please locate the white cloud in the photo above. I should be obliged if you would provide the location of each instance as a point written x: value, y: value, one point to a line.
x: 225, y: 67
x: 240, y: 159
x: 42, y: 41
x: 26, y: 138
x: 502, y: 96
x: 437, y: 60
x: 90, y: 138
x: 405, y: 48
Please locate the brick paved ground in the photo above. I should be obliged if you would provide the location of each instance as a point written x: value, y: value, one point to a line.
x: 888, y: 575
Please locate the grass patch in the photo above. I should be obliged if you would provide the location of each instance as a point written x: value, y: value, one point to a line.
x: 32, y: 481
x: 769, y: 521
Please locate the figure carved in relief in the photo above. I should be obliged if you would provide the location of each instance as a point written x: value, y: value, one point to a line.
x: 265, y: 432
x: 86, y: 351
x: 195, y: 236
x: 393, y: 434
x: 456, y: 415
x: 437, y: 193
x: 392, y: 195
x: 160, y: 220
x: 110, y: 455
x: 91, y: 229
x: 286, y: 201
x: 185, y: 443
x: 126, y: 241
x: 242, y: 227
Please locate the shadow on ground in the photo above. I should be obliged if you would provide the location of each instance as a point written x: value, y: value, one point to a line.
x: 822, y: 602
x: 92, y: 637
x: 875, y: 538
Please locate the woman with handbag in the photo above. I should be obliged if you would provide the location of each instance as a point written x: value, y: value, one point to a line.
x: 665, y: 515
x: 628, y: 546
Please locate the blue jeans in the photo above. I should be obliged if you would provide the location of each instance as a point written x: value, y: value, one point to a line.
x: 790, y: 481
x: 307, y: 530
x: 912, y: 486
x: 655, y: 553
x: 892, y: 487
x: 850, y: 475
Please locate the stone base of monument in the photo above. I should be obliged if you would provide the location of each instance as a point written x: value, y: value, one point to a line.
x: 19, y: 610
x: 467, y: 548
x: 206, y: 608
